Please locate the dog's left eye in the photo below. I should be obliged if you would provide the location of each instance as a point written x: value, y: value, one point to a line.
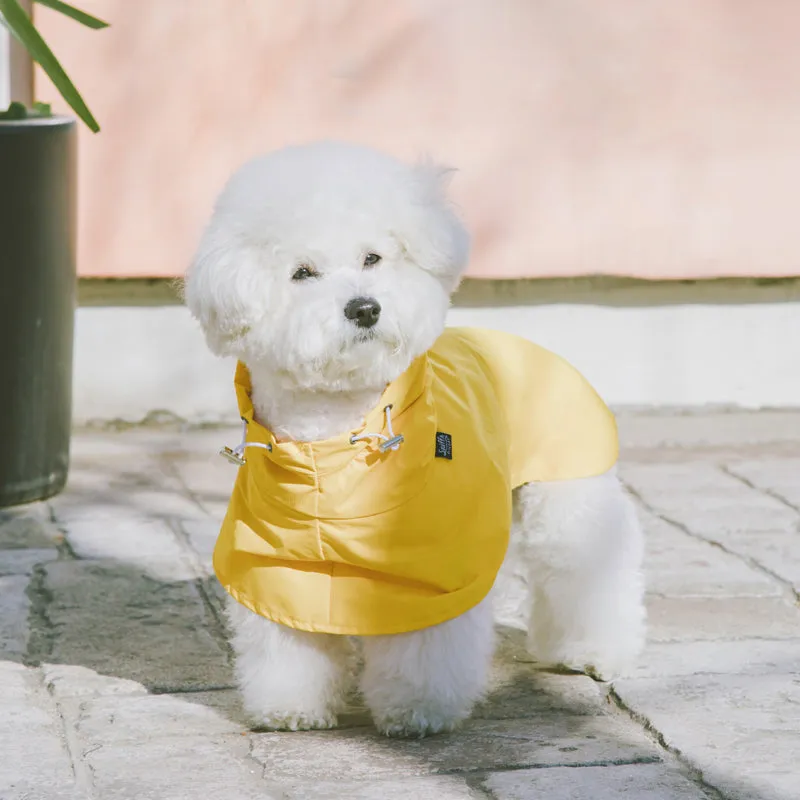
x: 371, y: 259
x: 304, y: 272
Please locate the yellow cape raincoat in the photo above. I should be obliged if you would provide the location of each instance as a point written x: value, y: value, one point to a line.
x: 338, y: 537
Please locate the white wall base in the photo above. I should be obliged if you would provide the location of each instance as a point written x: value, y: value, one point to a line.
x: 746, y: 356
x: 131, y: 361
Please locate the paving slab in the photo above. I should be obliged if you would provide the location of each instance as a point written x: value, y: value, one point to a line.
x: 740, y: 731
x: 706, y: 500
x: 680, y: 565
x: 28, y: 526
x: 35, y: 760
x: 14, y: 611
x: 685, y: 619
x: 207, y: 476
x: 144, y: 542
x: 780, y: 478
x: 775, y: 551
x: 177, y: 768
x: 714, y: 657
x: 624, y: 782
x: 24, y: 562
x: 433, y: 787
x: 65, y: 681
x: 480, y: 746
x: 201, y: 536
x: 528, y: 691
x: 118, y: 719
x: 115, y: 620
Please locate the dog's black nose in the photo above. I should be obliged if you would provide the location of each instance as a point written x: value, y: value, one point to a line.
x: 364, y: 311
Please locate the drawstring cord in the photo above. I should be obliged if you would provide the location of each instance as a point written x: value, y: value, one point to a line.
x: 236, y: 455
x: 390, y: 442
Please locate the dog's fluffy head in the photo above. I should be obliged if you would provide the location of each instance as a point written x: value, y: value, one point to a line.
x: 297, y: 235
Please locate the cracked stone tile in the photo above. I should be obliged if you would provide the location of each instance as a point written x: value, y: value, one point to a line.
x: 776, y: 551
x: 678, y: 564
x: 707, y: 501
x: 193, y: 750
x: 781, y: 476
x: 35, y: 760
x: 741, y: 731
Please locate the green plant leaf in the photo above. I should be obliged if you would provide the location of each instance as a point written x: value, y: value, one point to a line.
x: 43, y: 109
x: 18, y: 22
x: 14, y: 111
x: 74, y: 13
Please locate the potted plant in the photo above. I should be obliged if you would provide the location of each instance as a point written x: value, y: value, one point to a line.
x: 37, y: 273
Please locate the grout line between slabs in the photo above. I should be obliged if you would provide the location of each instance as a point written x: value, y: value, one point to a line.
x: 696, y: 775
x: 788, y: 588
x: 730, y: 471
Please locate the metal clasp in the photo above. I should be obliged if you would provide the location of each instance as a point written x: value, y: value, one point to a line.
x: 232, y: 456
x: 391, y: 444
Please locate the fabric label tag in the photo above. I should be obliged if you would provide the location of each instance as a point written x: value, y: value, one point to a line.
x: 444, y: 446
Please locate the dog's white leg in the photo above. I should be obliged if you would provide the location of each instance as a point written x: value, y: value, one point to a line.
x: 289, y: 679
x: 583, y: 546
x: 427, y: 681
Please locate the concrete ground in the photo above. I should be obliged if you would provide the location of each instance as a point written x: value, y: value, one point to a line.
x: 115, y: 673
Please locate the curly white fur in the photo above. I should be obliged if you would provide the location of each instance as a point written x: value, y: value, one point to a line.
x: 578, y: 545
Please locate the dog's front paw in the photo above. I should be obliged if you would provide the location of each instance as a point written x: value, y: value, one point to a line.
x: 602, y: 671
x: 598, y: 665
x: 415, y: 723
x: 293, y: 720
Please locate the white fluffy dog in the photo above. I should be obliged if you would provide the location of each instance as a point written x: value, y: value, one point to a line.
x: 294, y: 238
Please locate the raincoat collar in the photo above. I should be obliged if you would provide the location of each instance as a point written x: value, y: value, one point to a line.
x: 410, y: 390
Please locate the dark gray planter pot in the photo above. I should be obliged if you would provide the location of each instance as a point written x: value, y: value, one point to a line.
x: 37, y: 305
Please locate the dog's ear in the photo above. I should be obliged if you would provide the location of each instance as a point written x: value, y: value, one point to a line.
x: 220, y: 286
x: 435, y: 238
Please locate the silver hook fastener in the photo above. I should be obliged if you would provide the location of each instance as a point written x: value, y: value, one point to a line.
x: 235, y: 455
x: 390, y: 442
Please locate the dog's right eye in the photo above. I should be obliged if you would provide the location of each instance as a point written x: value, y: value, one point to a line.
x: 304, y: 273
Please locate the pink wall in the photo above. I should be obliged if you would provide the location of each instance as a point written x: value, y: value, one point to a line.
x: 657, y: 139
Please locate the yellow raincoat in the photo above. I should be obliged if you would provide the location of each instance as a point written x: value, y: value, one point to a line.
x: 338, y: 537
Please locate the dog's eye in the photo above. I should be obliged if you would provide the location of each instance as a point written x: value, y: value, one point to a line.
x: 304, y: 272
x: 371, y: 259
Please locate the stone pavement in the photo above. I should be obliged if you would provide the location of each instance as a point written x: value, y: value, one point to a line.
x: 115, y: 672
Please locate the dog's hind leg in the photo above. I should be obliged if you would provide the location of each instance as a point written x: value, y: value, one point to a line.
x: 288, y: 679
x: 583, y: 548
x: 427, y: 681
